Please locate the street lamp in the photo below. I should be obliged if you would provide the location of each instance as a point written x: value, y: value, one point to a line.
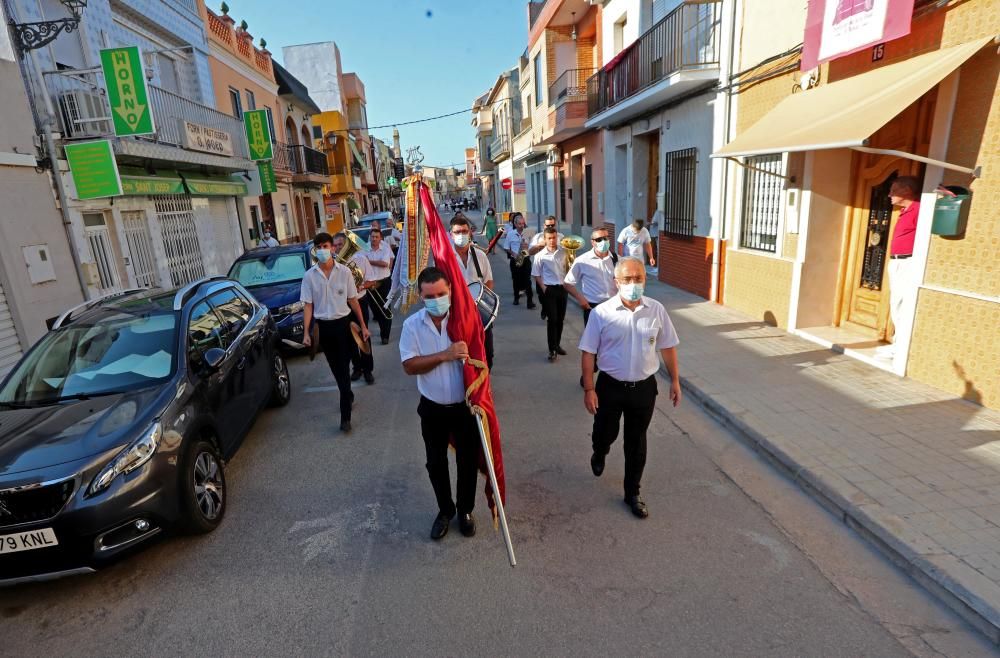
x: 29, y: 36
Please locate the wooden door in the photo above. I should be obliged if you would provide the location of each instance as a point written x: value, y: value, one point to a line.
x: 866, y: 293
x: 653, y: 185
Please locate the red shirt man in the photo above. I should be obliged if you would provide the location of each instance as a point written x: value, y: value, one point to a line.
x: 906, y: 230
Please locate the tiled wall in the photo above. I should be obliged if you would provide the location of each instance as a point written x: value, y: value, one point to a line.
x: 758, y: 285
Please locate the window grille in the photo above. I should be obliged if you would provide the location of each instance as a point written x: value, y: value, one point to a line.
x: 180, y: 238
x: 762, y: 194
x: 679, y: 197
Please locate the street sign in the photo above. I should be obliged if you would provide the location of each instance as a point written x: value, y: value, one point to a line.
x: 93, y: 169
x: 258, y: 134
x: 506, y: 183
x: 126, y: 86
x: 268, y: 183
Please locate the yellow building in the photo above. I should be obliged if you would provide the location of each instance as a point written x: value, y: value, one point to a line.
x: 811, y: 157
x: 342, y: 193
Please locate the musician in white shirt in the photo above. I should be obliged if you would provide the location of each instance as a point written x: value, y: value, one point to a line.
x: 627, y: 335
x: 380, y: 258
x: 549, y: 269
x: 475, y: 267
x: 537, y: 244
x: 514, y: 242
x: 591, y: 278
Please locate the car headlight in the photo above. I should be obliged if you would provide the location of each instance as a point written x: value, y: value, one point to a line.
x: 129, y: 459
x: 288, y: 309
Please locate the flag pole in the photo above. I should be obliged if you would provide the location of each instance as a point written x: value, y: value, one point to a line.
x: 496, y: 490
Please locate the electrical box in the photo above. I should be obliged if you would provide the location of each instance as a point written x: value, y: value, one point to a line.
x: 38, y: 258
x: 91, y: 274
x: 951, y: 214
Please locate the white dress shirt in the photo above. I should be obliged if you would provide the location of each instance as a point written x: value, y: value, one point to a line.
x: 628, y: 343
x: 469, y: 267
x: 361, y: 260
x: 444, y: 384
x: 383, y: 253
x: 593, y: 276
x: 512, y: 241
x: 550, y: 265
x: 634, y: 241
x: 539, y: 238
x: 328, y: 295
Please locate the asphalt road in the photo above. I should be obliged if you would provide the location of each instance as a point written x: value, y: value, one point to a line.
x: 325, y: 548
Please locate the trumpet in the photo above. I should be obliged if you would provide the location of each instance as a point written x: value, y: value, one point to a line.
x: 346, y: 257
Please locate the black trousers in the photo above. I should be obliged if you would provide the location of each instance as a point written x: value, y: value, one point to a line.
x: 521, y: 277
x: 384, y: 323
x: 360, y: 360
x: 437, y: 423
x: 337, y: 344
x: 488, y: 344
x: 635, y: 401
x: 554, y: 303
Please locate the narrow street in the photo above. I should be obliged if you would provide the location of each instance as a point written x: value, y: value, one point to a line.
x: 325, y: 548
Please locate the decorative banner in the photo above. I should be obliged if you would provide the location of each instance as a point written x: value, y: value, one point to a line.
x: 203, y: 138
x: 835, y: 28
x: 258, y: 134
x: 268, y: 183
x: 126, y: 85
x: 93, y: 169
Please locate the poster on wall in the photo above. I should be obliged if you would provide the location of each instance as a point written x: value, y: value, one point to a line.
x: 835, y: 28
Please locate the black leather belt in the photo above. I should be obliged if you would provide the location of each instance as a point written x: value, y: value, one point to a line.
x: 895, y: 256
x: 618, y: 382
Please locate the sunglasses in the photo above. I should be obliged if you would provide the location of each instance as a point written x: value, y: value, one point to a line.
x: 604, y: 239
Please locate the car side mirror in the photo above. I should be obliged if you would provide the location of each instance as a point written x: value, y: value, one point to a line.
x: 214, y: 358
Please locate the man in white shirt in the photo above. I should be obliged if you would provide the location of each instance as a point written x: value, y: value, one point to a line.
x: 627, y: 335
x: 591, y: 279
x: 362, y: 364
x: 634, y: 240
x: 549, y: 269
x: 380, y: 258
x: 330, y: 298
x: 514, y: 243
x: 427, y: 352
x: 268, y: 240
x: 475, y: 267
x: 536, y: 245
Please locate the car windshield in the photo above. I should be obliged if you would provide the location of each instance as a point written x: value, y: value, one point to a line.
x: 269, y: 270
x: 117, y: 352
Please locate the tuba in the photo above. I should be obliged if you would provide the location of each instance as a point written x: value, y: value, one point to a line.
x: 351, y: 248
x: 571, y: 243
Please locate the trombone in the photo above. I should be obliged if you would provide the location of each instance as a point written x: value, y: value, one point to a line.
x: 346, y: 256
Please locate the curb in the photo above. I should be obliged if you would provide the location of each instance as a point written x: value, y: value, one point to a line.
x: 956, y: 585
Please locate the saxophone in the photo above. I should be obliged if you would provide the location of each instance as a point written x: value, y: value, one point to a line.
x: 521, y: 257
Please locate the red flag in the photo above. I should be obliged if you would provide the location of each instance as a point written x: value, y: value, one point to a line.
x: 465, y: 324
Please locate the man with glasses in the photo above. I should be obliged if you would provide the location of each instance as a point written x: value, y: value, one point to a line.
x: 514, y: 243
x: 475, y: 266
x: 627, y: 335
x: 591, y: 279
x: 537, y: 244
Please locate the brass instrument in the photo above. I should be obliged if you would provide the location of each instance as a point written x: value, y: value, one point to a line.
x: 351, y: 247
x: 571, y: 243
x: 519, y: 260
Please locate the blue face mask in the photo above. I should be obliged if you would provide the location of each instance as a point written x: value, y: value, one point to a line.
x: 323, y: 255
x: 632, y: 292
x: 602, y: 247
x: 438, y: 306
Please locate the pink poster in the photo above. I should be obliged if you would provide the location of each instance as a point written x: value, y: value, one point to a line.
x: 835, y: 28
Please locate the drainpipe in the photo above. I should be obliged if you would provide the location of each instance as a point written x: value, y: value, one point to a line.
x: 716, y: 276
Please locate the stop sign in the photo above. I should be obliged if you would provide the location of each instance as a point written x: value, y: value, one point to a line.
x: 506, y: 183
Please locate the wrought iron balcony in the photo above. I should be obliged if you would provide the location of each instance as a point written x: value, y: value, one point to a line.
x: 500, y: 146
x: 284, y: 158
x: 686, y: 39
x: 570, y: 86
x: 310, y: 161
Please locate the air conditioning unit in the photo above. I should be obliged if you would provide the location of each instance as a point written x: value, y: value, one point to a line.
x: 84, y: 114
x: 553, y: 157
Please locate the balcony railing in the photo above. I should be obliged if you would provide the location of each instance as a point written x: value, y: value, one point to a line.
x: 687, y: 38
x: 570, y: 86
x: 284, y: 158
x: 84, y: 113
x: 499, y: 145
x: 310, y: 161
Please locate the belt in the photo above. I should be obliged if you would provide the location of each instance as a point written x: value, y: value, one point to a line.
x: 332, y: 319
x: 895, y: 256
x: 618, y: 382
x: 454, y: 405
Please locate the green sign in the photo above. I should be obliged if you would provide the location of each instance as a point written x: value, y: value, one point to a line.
x: 126, y: 83
x: 258, y: 134
x: 151, y: 185
x: 268, y: 183
x: 216, y: 187
x: 392, y: 181
x: 94, y: 170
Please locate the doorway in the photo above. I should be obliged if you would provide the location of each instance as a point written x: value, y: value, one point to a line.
x: 102, y: 250
x: 135, y: 226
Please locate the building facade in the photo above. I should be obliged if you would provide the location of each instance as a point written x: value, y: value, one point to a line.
x: 504, y: 104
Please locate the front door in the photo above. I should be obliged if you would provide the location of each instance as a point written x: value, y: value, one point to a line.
x: 102, y: 251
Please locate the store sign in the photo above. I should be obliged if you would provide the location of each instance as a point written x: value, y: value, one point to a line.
x: 835, y: 28
x: 268, y: 183
x: 151, y: 185
x: 519, y: 186
x: 93, y: 169
x: 126, y: 85
x: 258, y: 134
x: 220, y: 187
x: 208, y: 140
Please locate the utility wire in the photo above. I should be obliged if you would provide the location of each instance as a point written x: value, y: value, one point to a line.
x: 409, y: 123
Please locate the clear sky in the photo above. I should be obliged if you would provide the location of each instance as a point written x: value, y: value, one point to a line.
x: 417, y: 58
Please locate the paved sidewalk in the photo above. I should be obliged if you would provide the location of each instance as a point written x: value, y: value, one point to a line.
x: 912, y: 468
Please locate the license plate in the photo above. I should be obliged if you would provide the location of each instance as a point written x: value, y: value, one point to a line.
x: 28, y: 541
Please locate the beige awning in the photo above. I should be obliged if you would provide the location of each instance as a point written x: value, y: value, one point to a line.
x: 847, y: 113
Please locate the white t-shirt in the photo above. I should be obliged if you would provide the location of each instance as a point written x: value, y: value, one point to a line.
x: 634, y: 241
x: 628, y: 343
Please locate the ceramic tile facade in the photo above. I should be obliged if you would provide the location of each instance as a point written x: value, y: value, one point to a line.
x: 758, y: 285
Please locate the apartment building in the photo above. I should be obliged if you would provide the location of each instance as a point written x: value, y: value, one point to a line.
x: 482, y: 122
x: 504, y: 103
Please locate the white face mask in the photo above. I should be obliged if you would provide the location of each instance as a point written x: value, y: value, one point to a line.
x: 460, y: 239
x: 631, y: 292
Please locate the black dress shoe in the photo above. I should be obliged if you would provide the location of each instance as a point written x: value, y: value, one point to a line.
x: 440, y: 527
x: 544, y: 317
x: 467, y: 524
x: 517, y: 302
x: 638, y: 507
x: 597, y: 464
x: 345, y: 426
x: 385, y: 341
x: 531, y: 305
x: 356, y: 375
x: 369, y: 378
x: 560, y: 351
x: 552, y: 356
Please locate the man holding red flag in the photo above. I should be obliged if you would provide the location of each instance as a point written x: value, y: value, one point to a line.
x: 435, y: 343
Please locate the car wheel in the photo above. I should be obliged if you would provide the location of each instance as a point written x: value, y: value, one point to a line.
x: 203, y: 488
x: 281, y: 387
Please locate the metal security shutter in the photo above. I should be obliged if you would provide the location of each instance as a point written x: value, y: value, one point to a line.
x: 180, y: 238
x: 10, y: 346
